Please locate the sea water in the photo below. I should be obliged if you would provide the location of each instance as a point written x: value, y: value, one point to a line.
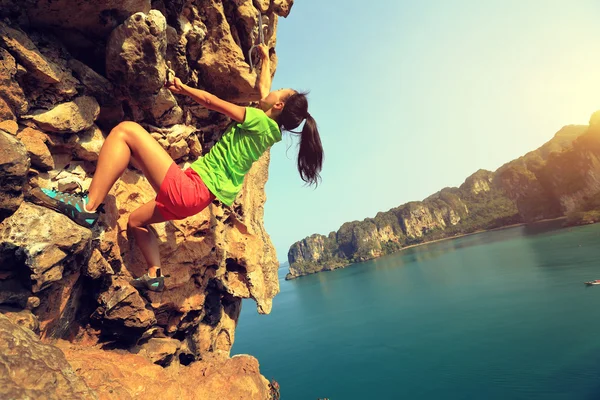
x: 497, y: 315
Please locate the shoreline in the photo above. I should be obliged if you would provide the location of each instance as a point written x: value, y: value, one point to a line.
x: 439, y: 240
x: 478, y: 232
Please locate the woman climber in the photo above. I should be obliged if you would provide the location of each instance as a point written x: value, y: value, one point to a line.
x: 218, y: 174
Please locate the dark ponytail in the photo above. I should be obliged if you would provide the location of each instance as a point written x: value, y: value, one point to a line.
x: 310, y: 154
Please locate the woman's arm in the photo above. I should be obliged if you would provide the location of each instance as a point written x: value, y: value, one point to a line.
x: 210, y: 101
x: 214, y: 103
x: 264, y: 80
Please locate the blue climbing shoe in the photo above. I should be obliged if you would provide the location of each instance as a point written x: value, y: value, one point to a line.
x: 156, y: 284
x: 70, y: 204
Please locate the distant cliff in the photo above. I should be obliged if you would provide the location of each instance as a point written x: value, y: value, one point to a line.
x: 560, y: 178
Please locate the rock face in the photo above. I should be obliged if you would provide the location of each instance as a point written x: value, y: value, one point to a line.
x: 12, y: 97
x: 560, y: 178
x: 42, y: 242
x: 14, y: 164
x: 26, y: 52
x: 135, y: 63
x: 33, y: 370
x: 480, y: 181
x: 537, y: 182
x: 71, y: 117
x: 224, y: 61
x: 129, y: 376
x: 94, y: 18
x: 39, y: 154
x: 69, y: 72
x: 23, y: 318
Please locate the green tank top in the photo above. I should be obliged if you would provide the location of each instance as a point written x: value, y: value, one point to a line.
x: 223, y: 169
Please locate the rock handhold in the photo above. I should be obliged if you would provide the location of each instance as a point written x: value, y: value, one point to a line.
x: 159, y: 350
x: 122, y: 311
x: 87, y: 145
x: 24, y: 318
x: 14, y: 164
x: 6, y: 113
x: 35, y: 142
x: 12, y: 292
x: 45, y: 242
x: 71, y: 117
x: 135, y: 54
x: 178, y: 149
x: 97, y: 85
x: 222, y: 67
x: 9, y: 126
x: 282, y: 7
x: 33, y: 370
x: 262, y: 5
x: 165, y: 110
x: 10, y: 91
x: 28, y: 54
x: 195, y: 146
x: 135, y: 64
x: 56, y: 55
x: 97, y: 266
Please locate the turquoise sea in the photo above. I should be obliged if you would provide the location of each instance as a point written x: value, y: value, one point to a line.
x: 497, y: 315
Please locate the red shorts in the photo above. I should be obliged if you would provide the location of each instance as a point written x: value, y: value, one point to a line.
x: 182, y: 194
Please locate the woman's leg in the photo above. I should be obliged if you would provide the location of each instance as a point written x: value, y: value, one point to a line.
x: 126, y: 140
x: 138, y: 225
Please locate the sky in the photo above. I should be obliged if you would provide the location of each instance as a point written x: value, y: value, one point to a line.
x: 411, y: 97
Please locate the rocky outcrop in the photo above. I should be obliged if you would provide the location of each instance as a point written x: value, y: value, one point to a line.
x: 553, y: 180
x: 117, y: 376
x: 42, y: 72
x: 316, y: 253
x: 560, y: 178
x: 224, y: 65
x: 12, y: 97
x: 69, y: 72
x: 24, y: 318
x: 70, y: 117
x: 33, y: 370
x: 388, y: 232
x: 418, y: 219
x: 26, y: 52
x: 309, y: 249
x: 39, y: 154
x: 480, y: 181
x: 41, y: 244
x: 573, y: 175
x: 90, y: 19
x: 61, y: 370
x: 136, y: 66
x: 14, y: 164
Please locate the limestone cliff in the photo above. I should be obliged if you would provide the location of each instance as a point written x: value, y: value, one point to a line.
x: 69, y: 71
x: 523, y: 179
x: 560, y: 178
